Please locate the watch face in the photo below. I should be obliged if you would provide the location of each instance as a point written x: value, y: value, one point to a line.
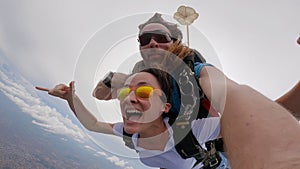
x: 107, y: 79
x: 107, y: 75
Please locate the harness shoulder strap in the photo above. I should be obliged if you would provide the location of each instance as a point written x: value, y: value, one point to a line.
x: 187, y: 146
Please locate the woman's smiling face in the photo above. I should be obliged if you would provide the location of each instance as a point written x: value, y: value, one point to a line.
x: 140, y: 114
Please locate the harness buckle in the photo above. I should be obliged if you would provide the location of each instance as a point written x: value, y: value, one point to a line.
x: 198, y: 155
x: 213, y: 162
x: 213, y: 159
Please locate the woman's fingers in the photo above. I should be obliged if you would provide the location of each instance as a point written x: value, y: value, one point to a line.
x: 59, y: 90
x: 42, y: 88
x: 71, y: 86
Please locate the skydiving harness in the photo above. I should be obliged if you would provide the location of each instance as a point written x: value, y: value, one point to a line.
x: 192, y: 101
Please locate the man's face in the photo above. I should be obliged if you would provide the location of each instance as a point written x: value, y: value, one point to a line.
x: 154, y: 39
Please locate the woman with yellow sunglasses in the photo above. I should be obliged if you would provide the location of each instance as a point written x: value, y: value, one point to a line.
x: 257, y: 132
x: 144, y: 101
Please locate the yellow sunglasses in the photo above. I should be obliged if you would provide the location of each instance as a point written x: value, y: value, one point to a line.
x: 141, y: 92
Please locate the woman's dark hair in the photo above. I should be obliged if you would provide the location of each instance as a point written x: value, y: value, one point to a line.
x: 164, y: 80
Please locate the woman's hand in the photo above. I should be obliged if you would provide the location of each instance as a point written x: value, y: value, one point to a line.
x: 63, y: 91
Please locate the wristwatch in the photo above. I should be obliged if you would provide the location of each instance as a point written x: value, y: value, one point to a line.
x: 107, y: 79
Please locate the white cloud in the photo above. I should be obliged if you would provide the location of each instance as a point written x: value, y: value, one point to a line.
x: 101, y: 153
x: 89, y: 148
x: 117, y: 161
x: 113, y: 159
x: 17, y: 89
x: 44, y: 116
x: 129, y: 167
x: 64, y: 139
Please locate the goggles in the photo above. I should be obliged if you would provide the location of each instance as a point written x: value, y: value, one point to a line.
x: 141, y: 92
x: 159, y: 37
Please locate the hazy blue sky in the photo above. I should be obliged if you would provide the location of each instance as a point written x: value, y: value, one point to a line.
x: 51, y: 42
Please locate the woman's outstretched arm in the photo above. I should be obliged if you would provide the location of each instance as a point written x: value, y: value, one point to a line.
x: 86, y: 118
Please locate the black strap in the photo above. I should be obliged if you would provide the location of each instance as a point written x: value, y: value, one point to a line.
x: 198, y: 57
x: 192, y: 98
x: 127, y: 138
x: 189, y: 147
x: 205, y: 107
x: 218, y: 144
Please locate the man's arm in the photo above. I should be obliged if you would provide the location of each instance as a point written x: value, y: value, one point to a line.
x: 291, y: 100
x: 103, y: 92
x: 257, y: 132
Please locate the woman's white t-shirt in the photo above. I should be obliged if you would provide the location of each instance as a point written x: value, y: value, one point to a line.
x: 204, y: 130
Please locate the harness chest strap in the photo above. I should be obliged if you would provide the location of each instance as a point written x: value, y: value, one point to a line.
x: 188, y: 147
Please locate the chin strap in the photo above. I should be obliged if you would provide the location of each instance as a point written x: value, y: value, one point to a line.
x: 127, y: 138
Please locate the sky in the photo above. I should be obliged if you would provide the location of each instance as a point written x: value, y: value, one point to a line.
x: 51, y: 42
x: 44, y: 39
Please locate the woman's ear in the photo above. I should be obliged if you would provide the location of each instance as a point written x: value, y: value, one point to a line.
x: 167, y: 107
